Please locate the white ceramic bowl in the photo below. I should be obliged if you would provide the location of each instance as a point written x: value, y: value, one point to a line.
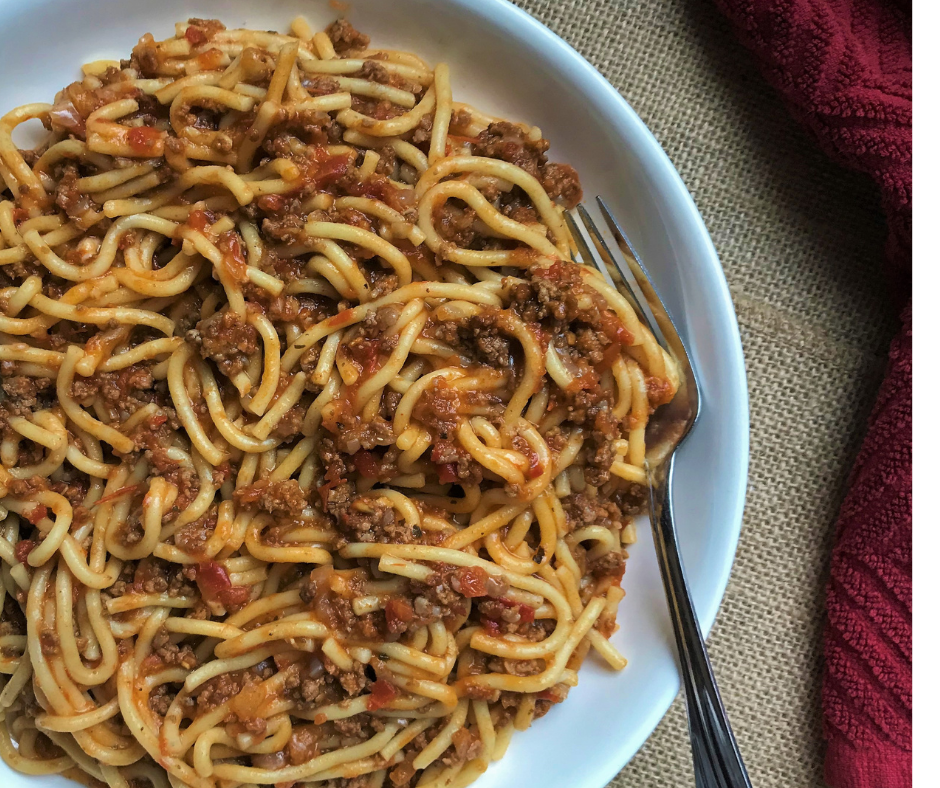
x: 506, y: 63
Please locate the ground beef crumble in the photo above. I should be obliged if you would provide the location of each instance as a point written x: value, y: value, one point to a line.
x: 283, y: 498
x: 345, y: 37
x: 225, y: 339
x: 510, y: 142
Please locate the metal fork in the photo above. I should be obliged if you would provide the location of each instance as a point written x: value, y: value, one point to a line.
x: 716, y: 758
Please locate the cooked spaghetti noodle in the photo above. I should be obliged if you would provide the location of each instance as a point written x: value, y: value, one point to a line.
x: 318, y: 454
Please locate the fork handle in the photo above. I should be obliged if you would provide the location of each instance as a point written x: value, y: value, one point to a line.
x: 716, y: 758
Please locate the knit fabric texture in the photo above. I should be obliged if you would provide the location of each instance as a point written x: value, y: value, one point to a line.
x: 844, y: 68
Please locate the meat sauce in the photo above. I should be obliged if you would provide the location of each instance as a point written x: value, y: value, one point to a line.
x: 353, y: 458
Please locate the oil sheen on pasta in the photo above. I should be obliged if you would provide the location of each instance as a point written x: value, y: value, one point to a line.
x: 318, y: 453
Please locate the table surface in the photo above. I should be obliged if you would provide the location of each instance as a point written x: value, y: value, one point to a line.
x: 801, y: 242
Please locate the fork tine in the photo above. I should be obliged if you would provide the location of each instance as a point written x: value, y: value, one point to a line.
x: 585, y: 252
x: 600, y: 254
x: 630, y: 286
x: 656, y: 316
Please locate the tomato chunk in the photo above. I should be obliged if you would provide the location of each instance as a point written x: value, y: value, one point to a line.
x: 471, y: 581
x: 23, y: 548
x: 398, y: 614
x: 272, y: 202
x: 37, y: 513
x: 324, y: 489
x: 366, y: 464
x: 233, y: 258
x: 195, y: 36
x: 447, y: 472
x: 526, y: 612
x: 383, y: 693
x: 216, y: 586
x: 145, y: 140
x: 200, y: 220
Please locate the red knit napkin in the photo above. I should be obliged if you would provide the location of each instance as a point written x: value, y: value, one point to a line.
x: 844, y: 68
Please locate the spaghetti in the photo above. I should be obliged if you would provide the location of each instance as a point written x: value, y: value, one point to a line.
x: 318, y: 454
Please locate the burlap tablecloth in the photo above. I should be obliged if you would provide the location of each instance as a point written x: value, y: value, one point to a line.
x: 801, y: 242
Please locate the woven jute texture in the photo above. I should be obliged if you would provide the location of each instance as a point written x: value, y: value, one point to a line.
x: 801, y: 242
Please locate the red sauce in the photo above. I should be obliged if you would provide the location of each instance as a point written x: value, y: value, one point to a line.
x: 542, y: 336
x: 614, y: 329
x: 535, y: 464
x: 23, y: 548
x: 233, y: 259
x: 606, y: 626
x: 585, y: 380
x: 152, y: 664
x: 340, y: 318
x: 157, y: 420
x: 342, y: 411
x: 611, y: 354
x: 471, y: 581
x: 490, y: 627
x: 223, y: 473
x: 145, y: 140
x: 461, y: 138
x: 378, y: 187
x: 283, y: 660
x: 251, y: 700
x: 658, y: 390
x: 195, y: 36
x: 415, y: 254
x: 383, y: 693
x: 323, y: 170
x: 559, y: 272
x: 365, y: 352
x: 332, y: 480
x: 366, y: 464
x: 37, y: 513
x: 330, y: 171
x: 211, y: 59
x: 548, y: 695
x: 20, y: 215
